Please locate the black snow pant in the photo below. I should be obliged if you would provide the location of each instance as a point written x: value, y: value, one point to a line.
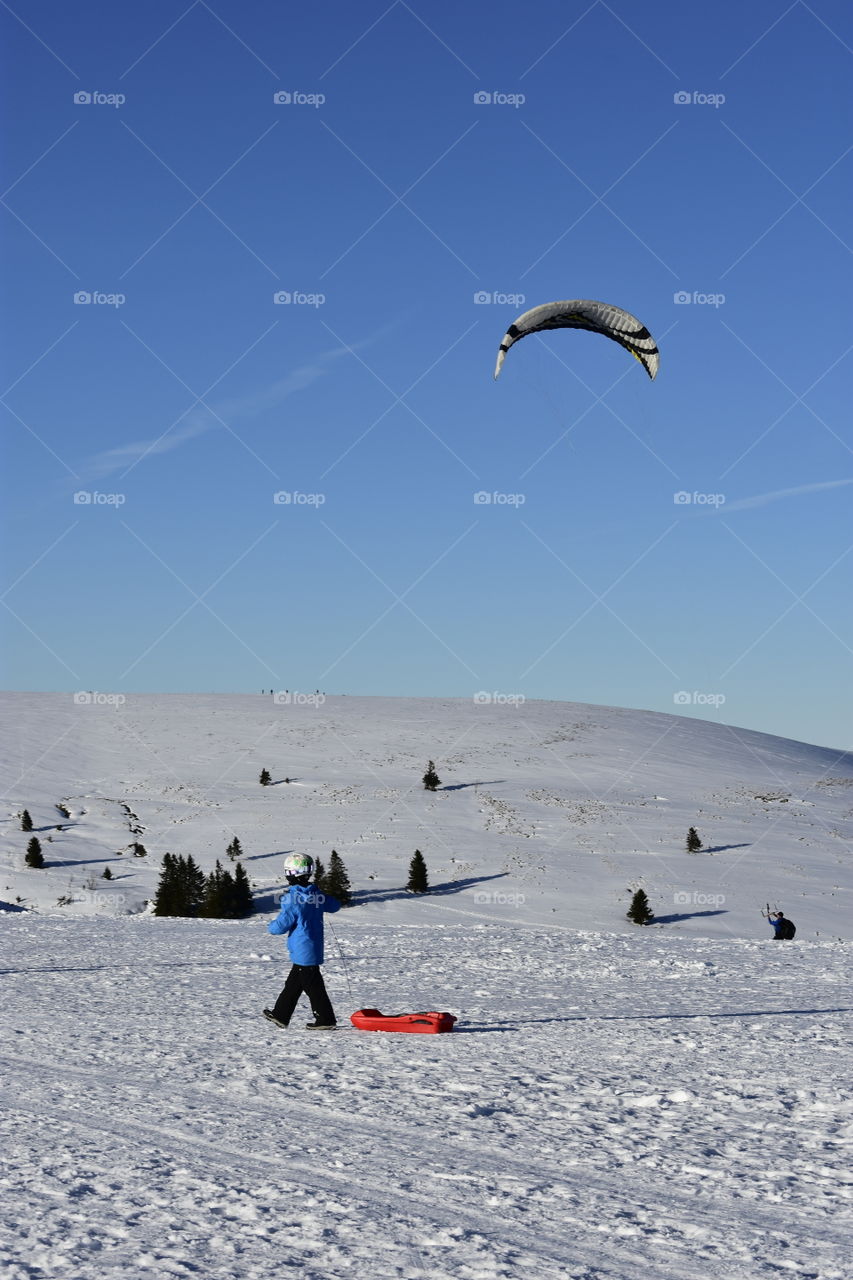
x: 307, y: 978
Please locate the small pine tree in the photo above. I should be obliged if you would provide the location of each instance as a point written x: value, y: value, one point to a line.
x: 418, y: 882
x: 320, y: 877
x: 138, y: 850
x: 235, y: 850
x: 242, y: 892
x: 640, y: 911
x: 694, y: 844
x: 166, y: 896
x: 336, y: 882
x: 191, y: 884
x: 34, y: 856
x: 106, y: 874
x: 215, y: 903
x: 181, y: 889
x: 26, y: 821
x: 431, y: 779
x: 265, y: 778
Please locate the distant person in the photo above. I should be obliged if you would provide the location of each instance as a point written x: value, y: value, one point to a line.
x: 784, y: 930
x: 301, y: 918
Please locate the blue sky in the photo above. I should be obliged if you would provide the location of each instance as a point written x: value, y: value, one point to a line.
x: 427, y: 173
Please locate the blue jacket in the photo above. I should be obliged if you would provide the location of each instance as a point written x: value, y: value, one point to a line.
x: 301, y: 918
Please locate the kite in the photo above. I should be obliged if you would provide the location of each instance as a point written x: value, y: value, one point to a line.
x: 582, y: 313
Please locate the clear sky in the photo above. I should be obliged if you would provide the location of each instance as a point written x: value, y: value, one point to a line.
x: 406, y: 179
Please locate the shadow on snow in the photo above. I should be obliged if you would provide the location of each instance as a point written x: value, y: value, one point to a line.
x: 269, y: 899
x: 435, y: 890
x: 685, y: 915
x: 479, y: 1028
x: 461, y: 786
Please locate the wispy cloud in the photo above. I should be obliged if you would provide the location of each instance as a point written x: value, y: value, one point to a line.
x: 762, y: 499
x: 200, y: 419
x: 270, y: 397
x: 124, y: 456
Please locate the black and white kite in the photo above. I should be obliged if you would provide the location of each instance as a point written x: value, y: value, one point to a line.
x: 582, y: 313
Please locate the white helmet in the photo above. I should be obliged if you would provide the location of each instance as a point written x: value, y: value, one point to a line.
x: 297, y: 865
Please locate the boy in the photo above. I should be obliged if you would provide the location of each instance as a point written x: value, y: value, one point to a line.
x: 301, y: 918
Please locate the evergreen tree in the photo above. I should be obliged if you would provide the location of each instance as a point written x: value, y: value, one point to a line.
x: 694, y: 844
x: 639, y: 910
x: 265, y: 778
x: 26, y: 821
x: 166, y: 894
x: 218, y: 892
x: 138, y: 850
x: 34, y: 856
x: 319, y: 877
x: 242, y: 893
x: 336, y: 881
x: 418, y: 882
x: 431, y: 779
x: 106, y: 874
x: 226, y: 896
x: 235, y: 850
x: 191, y: 885
x: 181, y: 889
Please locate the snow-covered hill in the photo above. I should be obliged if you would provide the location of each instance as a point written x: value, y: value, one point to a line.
x: 548, y: 812
x: 616, y: 1103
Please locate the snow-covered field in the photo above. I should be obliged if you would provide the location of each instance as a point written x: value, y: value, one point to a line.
x: 616, y: 1103
x: 633, y: 1108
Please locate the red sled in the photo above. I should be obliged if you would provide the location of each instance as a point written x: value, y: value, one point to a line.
x: 425, y: 1023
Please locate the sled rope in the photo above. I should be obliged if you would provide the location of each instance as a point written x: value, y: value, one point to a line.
x: 343, y: 961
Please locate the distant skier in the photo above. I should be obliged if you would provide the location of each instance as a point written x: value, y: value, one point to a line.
x: 301, y: 918
x: 784, y: 930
